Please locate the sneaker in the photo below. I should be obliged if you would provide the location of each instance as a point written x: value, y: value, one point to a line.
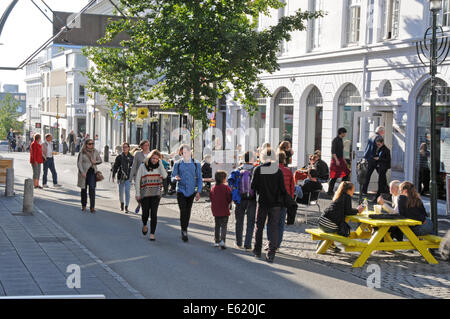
x: 269, y: 259
x: 126, y: 210
x: 256, y: 254
x: 222, y: 245
x: 45, y: 186
x: 216, y: 244
x: 121, y: 207
x: 56, y: 185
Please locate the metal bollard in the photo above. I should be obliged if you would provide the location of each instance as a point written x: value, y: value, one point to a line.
x: 28, y: 196
x: 106, y: 154
x: 9, y: 189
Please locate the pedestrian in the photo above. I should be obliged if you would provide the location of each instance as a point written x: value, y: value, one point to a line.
x: 71, y: 140
x: 11, y: 137
x: 148, y: 184
x: 220, y: 196
x: 36, y: 159
x: 290, y: 187
x: 268, y: 183
x: 395, y: 193
x: 188, y: 175
x: 139, y: 158
x: 88, y: 159
x: 207, y: 171
x: 424, y: 169
x: 122, y: 166
x: 285, y: 146
x: 247, y: 204
x: 332, y: 219
x: 369, y: 154
x: 338, y: 166
x: 49, y: 162
x: 383, y: 164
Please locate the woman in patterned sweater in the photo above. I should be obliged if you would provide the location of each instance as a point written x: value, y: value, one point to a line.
x: 149, y: 179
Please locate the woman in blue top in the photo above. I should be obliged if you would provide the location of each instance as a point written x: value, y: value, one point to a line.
x: 187, y: 173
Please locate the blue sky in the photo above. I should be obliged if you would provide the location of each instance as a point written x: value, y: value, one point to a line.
x: 25, y: 31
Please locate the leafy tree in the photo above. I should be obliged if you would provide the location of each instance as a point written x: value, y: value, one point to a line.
x: 118, y: 76
x: 9, y: 115
x: 202, y: 50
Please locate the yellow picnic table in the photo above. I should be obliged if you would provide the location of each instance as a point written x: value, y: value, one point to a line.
x: 365, y: 231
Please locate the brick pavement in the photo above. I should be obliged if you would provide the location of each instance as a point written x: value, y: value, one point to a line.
x: 404, y: 272
x: 35, y: 253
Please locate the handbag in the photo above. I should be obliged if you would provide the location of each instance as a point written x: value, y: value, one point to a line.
x: 344, y: 229
x: 99, y: 176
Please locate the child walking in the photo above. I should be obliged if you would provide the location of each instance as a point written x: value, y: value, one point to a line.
x: 220, y: 197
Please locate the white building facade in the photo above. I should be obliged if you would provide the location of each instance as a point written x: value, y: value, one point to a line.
x: 357, y: 67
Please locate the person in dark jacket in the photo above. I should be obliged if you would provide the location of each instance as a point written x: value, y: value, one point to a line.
x: 321, y: 167
x: 268, y: 183
x: 122, y: 167
x: 383, y: 163
x: 341, y: 206
x: 207, y: 171
x: 220, y: 197
x: 370, y: 153
x: 311, y: 185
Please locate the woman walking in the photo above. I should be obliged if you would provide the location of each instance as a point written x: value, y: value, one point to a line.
x: 338, y: 166
x: 139, y: 158
x: 122, y: 166
x: 149, y: 179
x: 36, y: 159
x: 187, y: 173
x: 88, y: 159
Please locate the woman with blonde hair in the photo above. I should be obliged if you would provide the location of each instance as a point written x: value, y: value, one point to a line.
x: 149, y: 178
x: 88, y: 159
x: 333, y: 217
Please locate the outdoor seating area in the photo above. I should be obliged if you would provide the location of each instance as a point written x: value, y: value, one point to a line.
x: 372, y: 235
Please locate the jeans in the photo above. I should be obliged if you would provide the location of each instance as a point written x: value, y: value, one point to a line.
x: 185, y: 205
x: 273, y: 216
x: 220, y: 230
x: 383, y: 187
x: 372, y: 166
x: 49, y: 164
x: 247, y: 206
x: 124, y: 187
x: 283, y: 213
x: 91, y: 182
x: 150, y: 208
x: 424, y: 229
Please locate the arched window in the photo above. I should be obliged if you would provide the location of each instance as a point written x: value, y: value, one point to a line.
x: 314, y: 112
x: 284, y: 114
x: 423, y: 136
x: 387, y: 89
x: 348, y: 103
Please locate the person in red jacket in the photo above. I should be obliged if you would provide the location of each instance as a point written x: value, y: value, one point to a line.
x: 289, y: 183
x: 220, y: 196
x: 36, y: 159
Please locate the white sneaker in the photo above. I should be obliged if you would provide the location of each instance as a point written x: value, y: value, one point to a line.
x: 45, y: 186
x: 56, y: 185
x: 216, y: 244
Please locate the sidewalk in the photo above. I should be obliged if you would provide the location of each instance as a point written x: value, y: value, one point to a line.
x: 35, y: 253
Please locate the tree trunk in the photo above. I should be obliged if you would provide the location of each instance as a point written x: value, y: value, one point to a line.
x: 124, y: 119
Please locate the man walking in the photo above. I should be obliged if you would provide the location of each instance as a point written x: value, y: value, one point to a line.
x: 72, y: 143
x: 268, y: 183
x: 370, y: 153
x: 49, y: 163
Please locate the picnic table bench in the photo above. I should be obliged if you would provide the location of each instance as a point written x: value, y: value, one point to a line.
x: 355, y: 242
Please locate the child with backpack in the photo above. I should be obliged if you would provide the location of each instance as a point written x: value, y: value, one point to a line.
x: 244, y: 197
x: 220, y: 197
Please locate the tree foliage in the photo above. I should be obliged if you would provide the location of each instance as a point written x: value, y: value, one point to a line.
x: 118, y: 76
x: 202, y: 50
x: 9, y: 115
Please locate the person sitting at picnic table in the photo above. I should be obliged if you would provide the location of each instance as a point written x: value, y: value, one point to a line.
x: 321, y: 167
x: 311, y: 185
x: 394, y: 191
x: 334, y: 216
x: 410, y: 205
x: 302, y: 173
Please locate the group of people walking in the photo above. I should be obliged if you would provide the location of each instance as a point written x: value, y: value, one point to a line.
x: 263, y: 188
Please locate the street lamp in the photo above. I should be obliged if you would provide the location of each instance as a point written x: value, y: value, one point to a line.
x: 433, y: 52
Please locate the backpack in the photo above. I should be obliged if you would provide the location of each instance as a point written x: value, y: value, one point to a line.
x: 245, y: 184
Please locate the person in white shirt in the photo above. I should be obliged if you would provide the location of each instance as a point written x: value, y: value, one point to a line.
x: 394, y: 190
x: 49, y: 163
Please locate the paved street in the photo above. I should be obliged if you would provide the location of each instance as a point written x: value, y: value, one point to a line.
x: 166, y: 268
